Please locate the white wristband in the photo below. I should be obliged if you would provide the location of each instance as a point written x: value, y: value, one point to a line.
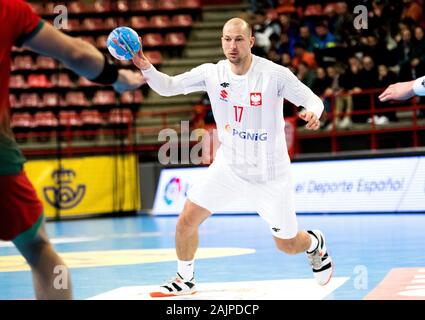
x: 419, y: 86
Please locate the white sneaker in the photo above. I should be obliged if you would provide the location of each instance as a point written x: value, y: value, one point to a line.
x: 382, y: 120
x: 320, y: 260
x: 375, y: 119
x: 332, y: 125
x: 345, y: 123
x: 175, y: 287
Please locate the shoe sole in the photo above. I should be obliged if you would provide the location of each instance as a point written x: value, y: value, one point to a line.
x: 165, y: 295
x: 331, y: 275
x: 333, y: 264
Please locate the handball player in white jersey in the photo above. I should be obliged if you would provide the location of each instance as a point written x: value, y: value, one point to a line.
x: 252, y: 162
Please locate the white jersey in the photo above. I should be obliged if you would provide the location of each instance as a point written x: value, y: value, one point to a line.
x: 248, y: 111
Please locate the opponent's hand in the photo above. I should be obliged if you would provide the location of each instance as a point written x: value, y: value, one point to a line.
x: 313, y: 122
x: 140, y: 61
x: 128, y: 80
x: 398, y: 91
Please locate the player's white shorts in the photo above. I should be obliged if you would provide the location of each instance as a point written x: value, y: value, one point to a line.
x: 272, y: 200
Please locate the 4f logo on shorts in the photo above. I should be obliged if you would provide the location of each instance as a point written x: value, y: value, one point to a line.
x: 62, y: 195
x: 255, y: 99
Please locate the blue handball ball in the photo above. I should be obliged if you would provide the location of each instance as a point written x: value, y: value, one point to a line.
x: 123, y: 43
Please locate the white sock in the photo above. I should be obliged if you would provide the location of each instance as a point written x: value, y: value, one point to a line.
x: 314, y: 243
x: 185, y: 269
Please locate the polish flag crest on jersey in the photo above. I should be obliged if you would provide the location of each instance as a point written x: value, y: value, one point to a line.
x: 255, y: 99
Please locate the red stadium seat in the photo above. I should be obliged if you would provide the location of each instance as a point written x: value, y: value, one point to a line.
x: 110, y: 23
x: 21, y: 120
x: 175, y: 39
x: 102, y: 6
x: 122, y: 5
x: 313, y: 10
x: 76, y: 99
x: 127, y: 97
x: 168, y: 4
x: 38, y: 8
x: 103, y: 97
x: 190, y: 4
x: 139, y: 22
x: 182, y: 20
x: 73, y: 25
x: 101, y: 42
x: 330, y: 7
x: 23, y: 63
x: 21, y: 123
x: 49, y: 8
x: 51, y: 100
x: 93, y: 24
x: 17, y: 81
x: 120, y: 116
x: 30, y: 100
x: 91, y: 117
x: 154, y: 57
x: 152, y: 40
x: 43, y: 62
x: 91, y: 120
x: 160, y: 21
x: 138, y: 96
x: 62, y: 80
x: 132, y: 97
x: 69, y: 119
x: 45, y: 119
x: 145, y: 5
x: 14, y: 101
x: 286, y: 7
x: 38, y: 81
x: 75, y: 7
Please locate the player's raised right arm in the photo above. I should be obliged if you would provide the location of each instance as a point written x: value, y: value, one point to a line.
x: 165, y: 85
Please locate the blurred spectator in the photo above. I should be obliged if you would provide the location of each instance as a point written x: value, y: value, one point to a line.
x: 286, y: 60
x: 321, y: 86
x: 385, y: 78
x: 343, y: 23
x: 411, y: 60
x: 306, y: 38
x: 263, y: 29
x: 369, y: 74
x: 418, y: 43
x: 404, y: 47
x: 257, y: 6
x: 321, y: 83
x: 323, y: 39
x: 412, y: 11
x: 305, y: 74
x: 343, y: 102
x: 302, y: 55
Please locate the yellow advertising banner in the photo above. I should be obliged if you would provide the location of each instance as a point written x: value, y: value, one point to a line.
x: 87, y: 185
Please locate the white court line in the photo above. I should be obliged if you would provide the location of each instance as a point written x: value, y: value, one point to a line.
x: 416, y: 287
x: 418, y: 281
x: 288, y: 289
x: 89, y: 239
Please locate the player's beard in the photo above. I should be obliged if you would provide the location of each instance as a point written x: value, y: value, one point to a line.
x: 235, y: 60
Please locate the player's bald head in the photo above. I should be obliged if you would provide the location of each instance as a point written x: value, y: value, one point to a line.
x: 237, y: 25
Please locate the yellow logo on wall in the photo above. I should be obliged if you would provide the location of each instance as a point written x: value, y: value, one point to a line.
x: 88, y: 185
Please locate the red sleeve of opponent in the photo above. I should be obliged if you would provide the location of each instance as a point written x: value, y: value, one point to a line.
x: 23, y: 20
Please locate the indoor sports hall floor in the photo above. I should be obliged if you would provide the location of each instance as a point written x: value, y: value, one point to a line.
x: 377, y: 256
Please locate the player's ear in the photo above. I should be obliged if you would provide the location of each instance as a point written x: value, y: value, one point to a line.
x: 251, y: 41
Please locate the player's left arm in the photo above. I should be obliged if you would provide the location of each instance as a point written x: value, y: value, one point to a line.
x: 301, y: 95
